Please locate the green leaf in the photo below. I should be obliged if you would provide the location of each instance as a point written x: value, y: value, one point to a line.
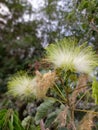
x: 95, y: 90
x: 43, y: 109
x: 10, y: 125
x: 83, y: 5
x: 2, y: 113
x: 17, y: 122
x: 52, y: 116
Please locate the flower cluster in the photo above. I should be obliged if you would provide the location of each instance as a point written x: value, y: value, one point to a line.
x: 65, y: 55
x: 24, y: 86
x: 69, y: 56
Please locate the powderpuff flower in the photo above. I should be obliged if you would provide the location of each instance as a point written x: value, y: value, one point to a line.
x: 67, y: 55
x: 21, y: 85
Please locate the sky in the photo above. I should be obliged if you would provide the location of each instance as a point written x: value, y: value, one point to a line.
x: 36, y: 4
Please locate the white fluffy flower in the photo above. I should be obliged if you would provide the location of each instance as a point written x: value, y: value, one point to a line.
x: 21, y: 85
x: 67, y: 55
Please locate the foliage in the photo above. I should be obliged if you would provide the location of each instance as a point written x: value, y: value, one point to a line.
x: 9, y: 120
x: 43, y: 109
x: 83, y: 20
x: 28, y: 124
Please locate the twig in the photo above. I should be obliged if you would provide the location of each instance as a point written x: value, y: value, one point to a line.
x: 82, y: 97
x: 42, y: 125
x: 61, y: 94
x: 82, y: 86
x: 87, y: 111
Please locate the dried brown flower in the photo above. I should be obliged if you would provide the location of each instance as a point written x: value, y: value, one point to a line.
x: 44, y: 82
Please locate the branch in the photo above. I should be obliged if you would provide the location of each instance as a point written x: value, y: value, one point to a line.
x: 42, y: 125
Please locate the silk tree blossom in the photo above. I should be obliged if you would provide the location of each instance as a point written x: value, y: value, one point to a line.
x: 21, y: 85
x: 67, y: 55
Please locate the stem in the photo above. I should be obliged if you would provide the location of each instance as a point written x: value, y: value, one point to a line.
x: 60, y: 93
x: 71, y: 108
x: 42, y: 125
x: 67, y: 96
x: 72, y: 118
x: 82, y: 97
x: 60, y: 101
x: 82, y: 86
x: 87, y: 111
